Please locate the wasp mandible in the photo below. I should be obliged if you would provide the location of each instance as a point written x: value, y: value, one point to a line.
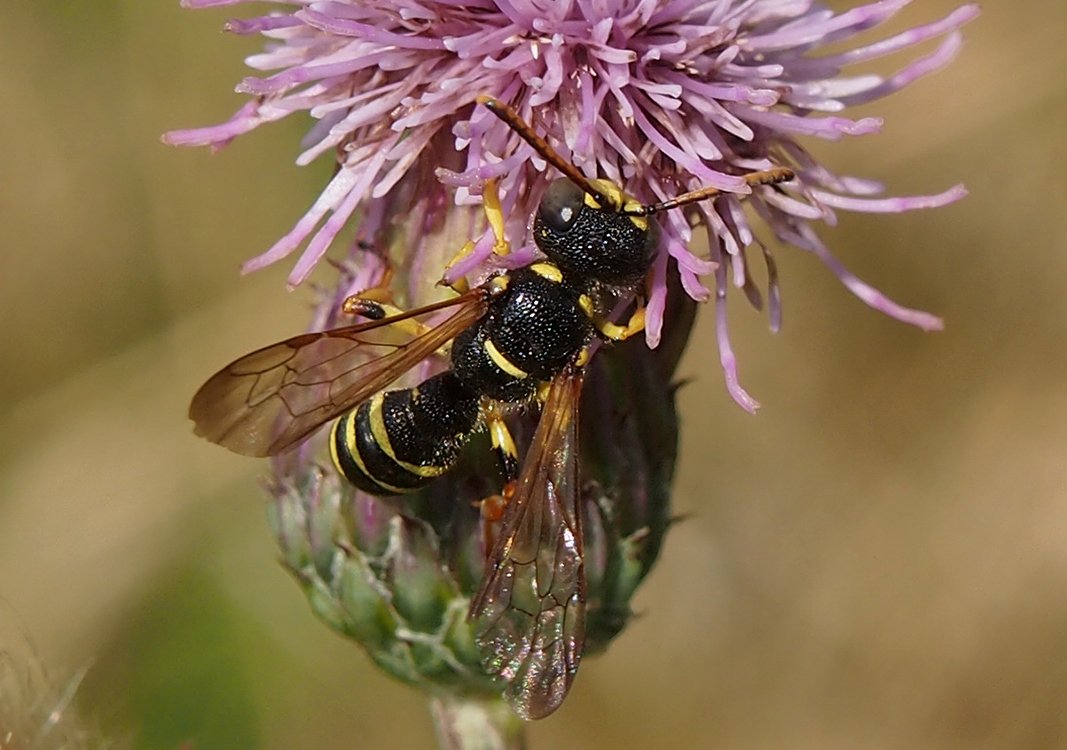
x: 522, y: 336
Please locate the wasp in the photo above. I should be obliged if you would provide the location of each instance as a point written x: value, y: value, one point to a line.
x: 522, y: 336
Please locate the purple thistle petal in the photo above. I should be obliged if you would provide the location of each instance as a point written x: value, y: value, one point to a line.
x: 366, y: 32
x: 774, y: 291
x: 727, y: 360
x: 657, y: 302
x: 339, y: 187
x: 247, y: 118
x: 830, y: 128
x: 821, y: 27
x: 208, y: 3
x: 901, y: 41
x: 260, y: 25
x: 945, y: 53
x: 318, y: 246
x: 867, y: 293
x: 891, y: 205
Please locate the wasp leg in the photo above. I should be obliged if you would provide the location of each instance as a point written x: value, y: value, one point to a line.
x: 503, y: 444
x: 581, y: 360
x: 494, y: 214
x: 492, y: 507
x: 380, y: 292
x: 370, y: 305
x: 613, y: 332
x: 376, y: 303
x: 492, y: 511
x: 460, y: 285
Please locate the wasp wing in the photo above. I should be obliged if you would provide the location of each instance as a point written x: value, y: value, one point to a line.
x: 530, y: 609
x: 269, y: 400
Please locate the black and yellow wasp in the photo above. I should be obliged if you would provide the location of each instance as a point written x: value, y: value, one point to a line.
x: 522, y: 336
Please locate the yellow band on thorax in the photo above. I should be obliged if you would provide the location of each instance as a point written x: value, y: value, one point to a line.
x: 548, y: 271
x: 503, y: 362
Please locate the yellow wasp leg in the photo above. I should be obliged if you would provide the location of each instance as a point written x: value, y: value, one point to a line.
x: 503, y: 443
x: 609, y: 330
x: 495, y: 215
x: 492, y: 507
x: 460, y: 285
x: 370, y: 304
x: 381, y: 292
x: 543, y: 388
x: 614, y: 332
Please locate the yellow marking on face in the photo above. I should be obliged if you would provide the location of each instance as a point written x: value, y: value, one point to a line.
x: 641, y: 222
x: 609, y: 190
x: 620, y: 201
x: 548, y: 271
x: 503, y: 362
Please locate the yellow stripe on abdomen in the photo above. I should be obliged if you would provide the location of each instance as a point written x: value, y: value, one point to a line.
x: 381, y: 438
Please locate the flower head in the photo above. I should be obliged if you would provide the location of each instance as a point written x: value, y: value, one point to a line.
x: 660, y: 96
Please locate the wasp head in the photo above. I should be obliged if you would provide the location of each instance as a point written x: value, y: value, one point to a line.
x: 593, y: 241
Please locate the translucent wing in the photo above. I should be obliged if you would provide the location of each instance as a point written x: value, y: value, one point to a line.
x: 530, y: 609
x: 269, y: 400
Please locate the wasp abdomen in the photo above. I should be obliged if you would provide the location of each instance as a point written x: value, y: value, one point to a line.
x: 401, y: 440
x: 528, y: 336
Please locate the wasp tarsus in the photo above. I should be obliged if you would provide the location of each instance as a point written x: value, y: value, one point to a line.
x: 364, y: 308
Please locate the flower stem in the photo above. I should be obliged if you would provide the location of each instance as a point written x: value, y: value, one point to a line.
x: 476, y: 724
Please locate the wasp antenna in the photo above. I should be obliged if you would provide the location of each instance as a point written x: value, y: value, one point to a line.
x: 766, y: 177
x: 540, y: 145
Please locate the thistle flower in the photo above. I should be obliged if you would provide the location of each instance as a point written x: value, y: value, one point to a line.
x: 659, y: 96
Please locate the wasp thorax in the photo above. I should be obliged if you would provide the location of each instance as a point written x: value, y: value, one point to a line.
x: 595, y: 243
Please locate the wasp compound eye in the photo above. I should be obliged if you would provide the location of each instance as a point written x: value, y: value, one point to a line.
x: 561, y: 204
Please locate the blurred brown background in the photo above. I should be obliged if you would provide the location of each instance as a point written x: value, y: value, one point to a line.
x: 877, y: 560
